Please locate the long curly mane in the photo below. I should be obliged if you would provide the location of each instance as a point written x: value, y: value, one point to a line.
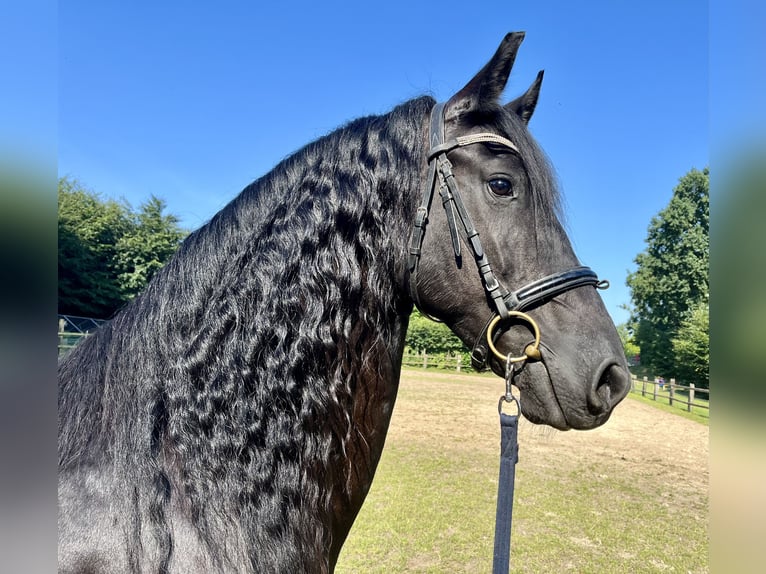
x: 231, y: 392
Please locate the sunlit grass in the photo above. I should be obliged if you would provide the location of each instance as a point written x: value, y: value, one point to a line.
x: 432, y: 505
x: 697, y: 414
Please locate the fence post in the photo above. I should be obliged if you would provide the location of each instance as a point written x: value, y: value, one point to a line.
x: 459, y: 362
x: 425, y: 359
x: 672, y: 391
x: 643, y: 387
x: 654, y: 391
x: 691, y: 397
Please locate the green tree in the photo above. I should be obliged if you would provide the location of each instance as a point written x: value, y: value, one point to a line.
x: 691, y: 346
x: 107, y: 252
x: 671, y: 277
x: 88, y: 231
x: 426, y: 335
x: 629, y: 346
x: 150, y: 241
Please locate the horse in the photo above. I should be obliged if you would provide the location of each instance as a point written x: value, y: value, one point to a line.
x: 231, y: 417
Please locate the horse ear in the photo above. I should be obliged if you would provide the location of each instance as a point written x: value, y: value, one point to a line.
x: 524, y: 106
x: 486, y: 86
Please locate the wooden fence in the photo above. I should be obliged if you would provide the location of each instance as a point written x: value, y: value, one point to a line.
x: 675, y: 394
x: 72, y: 329
x: 67, y: 341
x: 686, y: 397
x: 425, y: 361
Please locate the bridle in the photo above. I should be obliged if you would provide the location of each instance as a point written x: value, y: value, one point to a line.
x: 504, y: 302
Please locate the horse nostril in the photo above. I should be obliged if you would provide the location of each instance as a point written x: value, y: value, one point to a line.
x: 611, y: 384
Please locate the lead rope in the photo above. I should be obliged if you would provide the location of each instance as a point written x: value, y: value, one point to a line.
x: 509, y: 444
x: 509, y: 456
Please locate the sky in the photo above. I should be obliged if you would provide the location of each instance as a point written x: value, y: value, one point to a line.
x: 191, y: 103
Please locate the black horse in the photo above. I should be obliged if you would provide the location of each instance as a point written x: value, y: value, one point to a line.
x: 232, y: 416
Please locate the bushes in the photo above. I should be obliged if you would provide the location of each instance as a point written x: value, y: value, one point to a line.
x: 434, y: 338
x: 440, y: 344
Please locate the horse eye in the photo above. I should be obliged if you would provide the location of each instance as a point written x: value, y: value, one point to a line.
x: 500, y: 186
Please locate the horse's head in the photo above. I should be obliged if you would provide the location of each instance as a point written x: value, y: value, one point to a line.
x: 492, y: 178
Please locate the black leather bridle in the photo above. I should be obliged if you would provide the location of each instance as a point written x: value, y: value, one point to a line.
x: 503, y: 300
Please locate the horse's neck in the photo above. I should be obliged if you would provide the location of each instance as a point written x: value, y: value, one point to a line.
x: 370, y: 414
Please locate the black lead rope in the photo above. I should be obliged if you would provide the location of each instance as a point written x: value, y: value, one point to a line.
x: 509, y: 456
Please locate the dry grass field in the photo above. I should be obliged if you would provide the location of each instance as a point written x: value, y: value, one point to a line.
x: 631, y: 496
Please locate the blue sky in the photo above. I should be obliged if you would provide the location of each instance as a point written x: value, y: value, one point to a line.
x: 191, y: 103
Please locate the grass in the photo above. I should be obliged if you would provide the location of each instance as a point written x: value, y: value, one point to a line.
x: 697, y: 414
x: 601, y: 501
x: 701, y: 396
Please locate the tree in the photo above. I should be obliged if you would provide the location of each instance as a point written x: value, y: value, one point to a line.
x: 88, y: 231
x: 107, y: 251
x: 691, y: 346
x: 629, y: 346
x: 151, y: 240
x: 426, y: 335
x: 672, y: 274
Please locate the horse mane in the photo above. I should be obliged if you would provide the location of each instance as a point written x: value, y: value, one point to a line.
x: 227, y: 386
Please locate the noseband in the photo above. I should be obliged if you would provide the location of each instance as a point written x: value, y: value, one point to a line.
x: 503, y: 301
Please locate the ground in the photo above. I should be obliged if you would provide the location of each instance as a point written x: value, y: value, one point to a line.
x: 652, y: 442
x: 630, y: 496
